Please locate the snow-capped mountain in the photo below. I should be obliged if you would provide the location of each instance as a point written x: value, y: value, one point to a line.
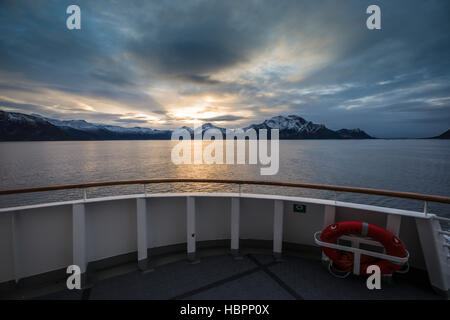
x: 291, y: 122
x: 93, y: 127
x: 21, y: 127
x: 201, y: 129
x: 18, y: 126
x: 74, y: 124
x: 105, y: 131
x: 353, y: 134
x: 210, y: 126
x: 295, y: 127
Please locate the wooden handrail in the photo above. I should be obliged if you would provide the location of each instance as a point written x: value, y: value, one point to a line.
x: 408, y: 195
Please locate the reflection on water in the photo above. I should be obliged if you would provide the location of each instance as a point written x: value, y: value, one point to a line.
x: 404, y: 165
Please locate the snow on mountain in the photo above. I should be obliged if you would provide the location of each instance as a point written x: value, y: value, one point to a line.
x: 136, y: 130
x: 290, y: 127
x: 19, y: 117
x: 210, y: 126
x: 74, y: 124
x: 202, y: 129
x: 16, y: 126
x: 295, y: 127
x: 291, y: 123
x: 87, y: 126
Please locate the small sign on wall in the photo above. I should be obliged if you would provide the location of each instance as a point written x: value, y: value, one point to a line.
x: 299, y: 208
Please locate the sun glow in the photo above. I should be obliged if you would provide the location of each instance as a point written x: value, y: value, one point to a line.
x: 196, y: 109
x: 193, y: 113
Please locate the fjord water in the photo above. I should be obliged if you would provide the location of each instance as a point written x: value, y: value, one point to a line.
x: 421, y: 166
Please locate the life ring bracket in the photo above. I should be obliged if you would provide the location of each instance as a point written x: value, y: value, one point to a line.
x: 358, y: 251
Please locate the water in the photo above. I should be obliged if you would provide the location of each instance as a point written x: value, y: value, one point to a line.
x: 421, y: 166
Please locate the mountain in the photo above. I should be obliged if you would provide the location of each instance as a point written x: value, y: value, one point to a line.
x: 96, y: 131
x: 295, y: 127
x: 353, y: 134
x: 21, y: 127
x: 445, y: 135
x: 202, y: 129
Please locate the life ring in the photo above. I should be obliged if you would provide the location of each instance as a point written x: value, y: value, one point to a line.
x: 344, y: 260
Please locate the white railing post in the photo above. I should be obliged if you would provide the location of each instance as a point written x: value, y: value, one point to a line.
x: 16, y: 244
x: 393, y: 223
x: 79, y: 238
x: 357, y: 257
x: 329, y: 218
x: 190, y: 224
x: 277, y: 228
x: 141, y: 219
x: 434, y: 253
x: 235, y: 220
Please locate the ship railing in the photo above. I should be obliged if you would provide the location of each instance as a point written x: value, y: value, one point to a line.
x: 84, y: 186
x: 389, y: 193
x: 445, y: 235
x: 393, y: 221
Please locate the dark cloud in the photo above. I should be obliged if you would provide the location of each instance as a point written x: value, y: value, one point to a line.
x: 197, y: 79
x: 198, y: 38
x: 23, y: 107
x: 224, y: 118
x: 18, y: 87
x: 130, y: 121
x: 113, y: 78
x: 64, y: 113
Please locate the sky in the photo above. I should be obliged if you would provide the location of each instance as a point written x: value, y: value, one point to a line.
x: 166, y: 64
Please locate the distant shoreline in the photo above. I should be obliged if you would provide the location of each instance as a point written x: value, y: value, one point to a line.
x: 16, y: 126
x: 103, y: 140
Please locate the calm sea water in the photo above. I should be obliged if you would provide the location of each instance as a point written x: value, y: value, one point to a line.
x: 421, y: 166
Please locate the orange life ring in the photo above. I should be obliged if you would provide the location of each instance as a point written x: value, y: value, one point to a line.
x: 344, y: 260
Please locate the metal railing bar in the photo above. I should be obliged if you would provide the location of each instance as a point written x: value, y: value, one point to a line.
x: 441, y: 218
x: 389, y: 193
x: 359, y: 251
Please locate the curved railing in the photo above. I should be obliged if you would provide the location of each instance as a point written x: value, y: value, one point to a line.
x: 389, y: 193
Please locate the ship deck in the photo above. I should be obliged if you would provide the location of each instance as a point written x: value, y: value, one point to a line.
x: 253, y: 276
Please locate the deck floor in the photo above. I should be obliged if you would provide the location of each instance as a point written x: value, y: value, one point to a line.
x: 255, y: 276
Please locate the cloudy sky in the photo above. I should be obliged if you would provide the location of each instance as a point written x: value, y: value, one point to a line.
x: 164, y: 64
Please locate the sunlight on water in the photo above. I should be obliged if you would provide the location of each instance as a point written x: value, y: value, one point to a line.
x: 421, y: 166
